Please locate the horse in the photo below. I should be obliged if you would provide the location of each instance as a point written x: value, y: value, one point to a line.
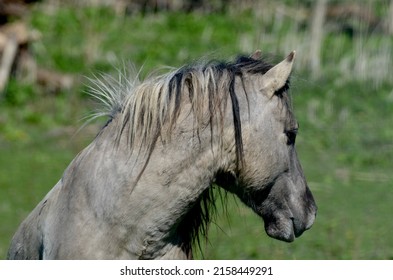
x: 144, y: 187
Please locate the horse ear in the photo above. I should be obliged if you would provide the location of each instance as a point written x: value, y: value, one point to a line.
x: 277, y: 76
x: 256, y: 55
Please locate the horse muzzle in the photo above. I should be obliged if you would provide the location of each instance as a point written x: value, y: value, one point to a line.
x: 289, y: 228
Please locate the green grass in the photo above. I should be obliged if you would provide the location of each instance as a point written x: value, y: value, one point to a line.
x: 345, y: 141
x: 28, y: 172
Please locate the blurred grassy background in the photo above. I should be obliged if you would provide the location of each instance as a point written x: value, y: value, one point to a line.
x: 345, y: 114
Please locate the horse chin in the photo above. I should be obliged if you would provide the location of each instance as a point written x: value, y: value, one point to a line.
x: 283, y: 230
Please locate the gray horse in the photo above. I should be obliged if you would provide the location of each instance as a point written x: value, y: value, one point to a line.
x: 142, y: 189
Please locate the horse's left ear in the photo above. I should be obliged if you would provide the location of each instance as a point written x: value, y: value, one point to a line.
x: 277, y: 76
x: 256, y: 55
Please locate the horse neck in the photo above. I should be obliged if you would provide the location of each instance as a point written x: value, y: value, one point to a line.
x: 161, y: 204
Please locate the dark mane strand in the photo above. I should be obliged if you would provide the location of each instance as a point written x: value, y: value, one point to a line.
x: 253, y: 66
x: 175, y: 86
x: 236, y: 120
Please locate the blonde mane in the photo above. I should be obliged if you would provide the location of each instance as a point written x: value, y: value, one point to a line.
x: 146, y: 107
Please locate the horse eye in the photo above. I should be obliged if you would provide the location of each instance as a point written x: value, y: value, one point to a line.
x: 291, y: 136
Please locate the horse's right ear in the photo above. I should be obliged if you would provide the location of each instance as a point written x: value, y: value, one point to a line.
x: 277, y: 76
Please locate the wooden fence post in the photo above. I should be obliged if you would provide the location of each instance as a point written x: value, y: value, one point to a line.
x: 317, y: 32
x: 390, y: 18
x: 7, y: 61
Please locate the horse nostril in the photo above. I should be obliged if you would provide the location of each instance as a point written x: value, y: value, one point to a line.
x: 294, y: 227
x: 298, y: 226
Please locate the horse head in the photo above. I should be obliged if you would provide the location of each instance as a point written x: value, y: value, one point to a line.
x: 269, y: 178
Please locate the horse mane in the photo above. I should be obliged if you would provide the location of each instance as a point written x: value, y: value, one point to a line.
x: 150, y: 105
x: 147, y: 107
